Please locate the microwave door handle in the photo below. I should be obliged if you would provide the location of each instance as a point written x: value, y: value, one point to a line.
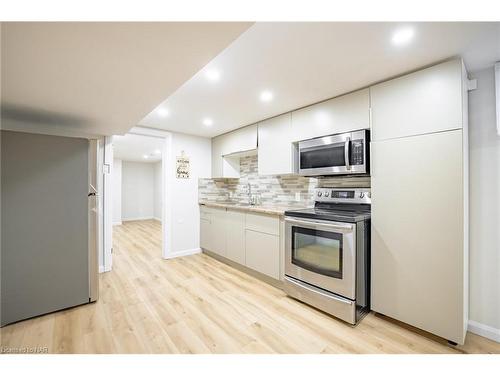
x: 347, y: 147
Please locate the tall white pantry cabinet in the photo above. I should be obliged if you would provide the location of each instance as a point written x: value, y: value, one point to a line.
x: 419, y: 183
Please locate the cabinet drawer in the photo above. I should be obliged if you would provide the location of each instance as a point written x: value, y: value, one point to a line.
x: 211, y: 210
x: 263, y: 223
x: 262, y: 253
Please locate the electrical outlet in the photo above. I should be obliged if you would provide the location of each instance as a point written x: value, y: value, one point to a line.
x: 297, y: 197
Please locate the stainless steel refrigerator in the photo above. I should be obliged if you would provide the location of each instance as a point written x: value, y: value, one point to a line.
x: 49, y: 223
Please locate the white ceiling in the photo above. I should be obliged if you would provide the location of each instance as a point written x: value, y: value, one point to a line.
x: 100, y: 78
x: 303, y: 63
x: 131, y: 147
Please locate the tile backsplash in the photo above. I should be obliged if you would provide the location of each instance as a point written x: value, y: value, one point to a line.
x: 279, y: 189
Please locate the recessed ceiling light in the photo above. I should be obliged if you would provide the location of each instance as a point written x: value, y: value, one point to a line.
x: 403, y: 36
x: 208, y: 122
x: 157, y: 151
x: 212, y: 75
x: 145, y: 156
x: 163, y: 112
x: 266, y: 96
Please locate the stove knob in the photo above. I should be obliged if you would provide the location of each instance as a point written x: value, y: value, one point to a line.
x: 361, y: 195
x: 369, y: 194
x: 320, y: 193
x: 327, y: 194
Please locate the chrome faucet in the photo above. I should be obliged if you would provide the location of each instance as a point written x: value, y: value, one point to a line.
x: 253, y: 199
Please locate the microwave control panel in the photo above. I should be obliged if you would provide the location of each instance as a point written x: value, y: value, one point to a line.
x: 357, y: 152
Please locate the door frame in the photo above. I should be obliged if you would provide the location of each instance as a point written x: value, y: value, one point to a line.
x: 106, y: 261
x: 166, y: 196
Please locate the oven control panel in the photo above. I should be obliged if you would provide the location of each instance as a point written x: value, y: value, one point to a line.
x: 344, y: 195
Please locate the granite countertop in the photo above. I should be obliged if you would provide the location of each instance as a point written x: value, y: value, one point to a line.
x: 269, y: 209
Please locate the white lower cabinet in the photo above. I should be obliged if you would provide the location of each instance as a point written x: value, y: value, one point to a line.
x: 250, y: 239
x: 218, y: 227
x: 235, y: 236
x: 205, y: 234
x: 212, y: 225
x: 263, y: 253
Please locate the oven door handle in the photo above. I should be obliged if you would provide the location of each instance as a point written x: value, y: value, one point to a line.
x: 321, y: 223
x: 318, y: 291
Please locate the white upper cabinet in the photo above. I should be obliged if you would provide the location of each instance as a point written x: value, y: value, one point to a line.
x: 225, y: 149
x: 342, y: 114
x: 239, y: 140
x: 426, y: 101
x: 217, y: 157
x: 275, y: 153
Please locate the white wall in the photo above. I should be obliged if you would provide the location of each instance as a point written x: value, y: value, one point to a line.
x: 484, y: 149
x: 182, y: 194
x: 158, y: 186
x: 116, y: 182
x: 137, y: 190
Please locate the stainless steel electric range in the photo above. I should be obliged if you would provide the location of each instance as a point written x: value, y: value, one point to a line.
x: 327, y: 253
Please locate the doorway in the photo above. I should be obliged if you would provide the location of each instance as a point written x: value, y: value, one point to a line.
x: 137, y: 191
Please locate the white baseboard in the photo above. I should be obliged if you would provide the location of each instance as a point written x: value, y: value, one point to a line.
x: 138, y: 218
x: 484, y: 330
x: 183, y: 253
x: 117, y: 223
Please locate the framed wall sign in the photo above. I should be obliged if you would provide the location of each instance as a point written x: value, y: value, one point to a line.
x: 182, y: 166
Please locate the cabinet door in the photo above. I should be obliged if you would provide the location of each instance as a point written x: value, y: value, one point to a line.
x: 240, y: 140
x: 275, y: 146
x: 205, y: 234
x: 262, y: 253
x: 235, y: 245
x: 218, y: 231
x: 417, y: 232
x: 426, y: 101
x: 217, y: 157
x: 342, y: 114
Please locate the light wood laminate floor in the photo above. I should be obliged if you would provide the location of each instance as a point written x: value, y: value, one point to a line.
x: 196, y: 304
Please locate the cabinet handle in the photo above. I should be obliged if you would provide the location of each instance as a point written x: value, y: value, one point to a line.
x: 347, y: 153
x: 318, y: 291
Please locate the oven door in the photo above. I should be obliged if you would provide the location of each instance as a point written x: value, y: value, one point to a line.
x: 321, y: 253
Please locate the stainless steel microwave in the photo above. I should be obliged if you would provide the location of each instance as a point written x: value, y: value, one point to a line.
x: 339, y: 154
